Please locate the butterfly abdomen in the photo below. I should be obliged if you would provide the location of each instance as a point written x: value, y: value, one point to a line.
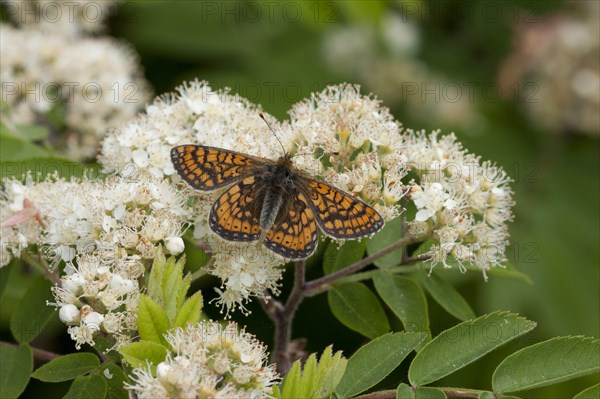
x: 271, y: 205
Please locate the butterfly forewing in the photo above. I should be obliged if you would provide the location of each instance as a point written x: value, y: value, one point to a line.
x: 341, y: 215
x: 208, y: 168
x: 234, y: 216
x: 294, y: 235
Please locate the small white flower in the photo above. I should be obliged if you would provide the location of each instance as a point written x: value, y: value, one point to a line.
x: 69, y: 314
x: 93, y: 320
x: 174, y: 245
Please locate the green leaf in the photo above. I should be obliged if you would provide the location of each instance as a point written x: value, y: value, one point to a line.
x: 67, y: 367
x: 31, y: 132
x: 429, y: 393
x: 172, y: 282
x: 374, y: 361
x: 406, y: 299
x: 89, y: 387
x: 549, y: 362
x: 32, y: 314
x: 447, y: 296
x: 355, y: 306
x: 405, y: 392
x: 190, y: 311
x: 153, y: 322
x: 592, y: 392
x: 391, y: 232
x: 317, y: 379
x: 463, y: 344
x: 137, y: 353
x: 486, y: 395
x: 155, y: 279
x: 337, y: 257
x: 15, y: 149
x: 16, y: 364
x: 115, y: 377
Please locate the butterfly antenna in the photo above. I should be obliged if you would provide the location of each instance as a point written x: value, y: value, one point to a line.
x: 262, y: 116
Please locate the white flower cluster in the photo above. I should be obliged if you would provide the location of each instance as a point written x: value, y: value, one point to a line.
x: 67, y: 16
x: 346, y: 138
x: 120, y: 218
x: 209, y: 360
x: 466, y: 203
x: 96, y: 295
x: 556, y: 67
x: 80, y: 87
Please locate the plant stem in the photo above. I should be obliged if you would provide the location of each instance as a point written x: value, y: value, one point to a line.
x: 42, y: 267
x: 322, y: 284
x: 283, y: 317
x: 40, y: 354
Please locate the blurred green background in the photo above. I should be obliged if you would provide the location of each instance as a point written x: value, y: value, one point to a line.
x: 456, y: 66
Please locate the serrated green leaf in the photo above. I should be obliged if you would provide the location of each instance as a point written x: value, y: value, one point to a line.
x: 549, y: 362
x: 32, y: 314
x: 463, y: 344
x: 405, y: 392
x: 355, y: 306
x: 406, y: 299
x: 115, y: 377
x: 291, y: 382
x: 137, y: 354
x: 89, y: 387
x: 447, y: 296
x: 330, y: 372
x: 152, y: 321
x: 592, y: 392
x: 391, y: 232
x: 374, y: 361
x: 172, y: 280
x: 183, y: 289
x: 190, y: 311
x: 307, y: 377
x: 337, y: 257
x: 67, y: 367
x: 429, y: 393
x: 16, y: 364
x: 155, y: 280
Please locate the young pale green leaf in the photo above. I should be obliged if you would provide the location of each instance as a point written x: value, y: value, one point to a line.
x: 329, y: 372
x: 189, y: 312
x: 16, y: 364
x: 337, y: 257
x: 391, y: 232
x: 374, y: 361
x: 183, y: 289
x: 355, y: 306
x: 465, y: 343
x: 88, y: 387
x: 32, y: 314
x: 291, y: 382
x: 115, y: 377
x: 138, y: 353
x: 172, y: 281
x: 406, y: 299
x: 155, y: 280
x: 429, y: 393
x: 592, y: 392
x: 447, y: 296
x: 549, y: 362
x: 317, y: 379
x: 404, y: 391
x: 67, y: 367
x: 152, y: 321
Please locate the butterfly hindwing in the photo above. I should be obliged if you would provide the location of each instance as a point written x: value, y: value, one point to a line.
x: 294, y: 235
x: 234, y: 216
x: 208, y: 168
x: 341, y: 215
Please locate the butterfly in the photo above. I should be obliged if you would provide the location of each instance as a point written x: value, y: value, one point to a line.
x: 272, y: 201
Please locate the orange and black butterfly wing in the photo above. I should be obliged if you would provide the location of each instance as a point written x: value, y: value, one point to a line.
x: 209, y: 168
x: 340, y: 215
x: 234, y: 216
x: 294, y: 234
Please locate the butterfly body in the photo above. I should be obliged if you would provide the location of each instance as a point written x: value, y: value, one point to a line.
x: 272, y: 201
